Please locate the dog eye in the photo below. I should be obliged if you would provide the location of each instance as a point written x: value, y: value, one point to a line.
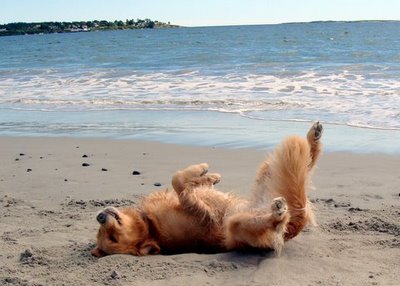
x: 113, y: 239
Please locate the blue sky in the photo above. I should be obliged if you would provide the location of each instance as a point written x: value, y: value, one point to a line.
x: 201, y: 12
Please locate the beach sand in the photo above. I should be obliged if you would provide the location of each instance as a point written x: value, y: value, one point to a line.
x: 49, y: 200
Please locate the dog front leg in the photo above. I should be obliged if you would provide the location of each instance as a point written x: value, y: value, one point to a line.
x: 193, y: 205
x: 181, y: 178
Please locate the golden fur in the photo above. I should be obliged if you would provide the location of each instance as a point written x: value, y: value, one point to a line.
x: 194, y: 217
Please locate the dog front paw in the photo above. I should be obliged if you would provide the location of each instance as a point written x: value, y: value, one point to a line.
x: 195, y: 171
x: 214, y: 178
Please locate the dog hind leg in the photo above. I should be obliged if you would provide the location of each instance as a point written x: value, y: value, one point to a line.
x: 286, y: 173
x: 313, y: 138
x: 259, y: 230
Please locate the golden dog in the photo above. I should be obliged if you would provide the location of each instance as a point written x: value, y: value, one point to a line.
x: 194, y: 217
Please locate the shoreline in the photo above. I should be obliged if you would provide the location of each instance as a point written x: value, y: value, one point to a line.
x: 270, y: 144
x: 49, y: 201
x: 192, y: 128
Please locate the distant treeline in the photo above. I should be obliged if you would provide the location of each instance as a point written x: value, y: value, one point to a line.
x: 78, y: 26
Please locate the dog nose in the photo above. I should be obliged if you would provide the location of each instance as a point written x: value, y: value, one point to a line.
x: 102, y: 217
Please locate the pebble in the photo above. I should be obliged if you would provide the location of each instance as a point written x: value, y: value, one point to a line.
x: 84, y: 156
x: 135, y: 173
x: 85, y: 164
x: 16, y: 159
x: 357, y: 209
x: 114, y: 275
x: 342, y: 204
x: 21, y: 154
x: 26, y: 254
x: 104, y: 169
x: 157, y: 184
x: 29, y: 170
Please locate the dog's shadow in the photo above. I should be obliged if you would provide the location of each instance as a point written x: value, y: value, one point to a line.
x: 252, y: 257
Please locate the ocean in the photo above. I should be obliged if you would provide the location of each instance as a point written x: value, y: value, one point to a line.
x: 234, y: 86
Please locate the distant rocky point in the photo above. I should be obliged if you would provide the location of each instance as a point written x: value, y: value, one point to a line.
x: 22, y: 28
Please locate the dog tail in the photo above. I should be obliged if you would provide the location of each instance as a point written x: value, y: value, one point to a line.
x: 286, y: 173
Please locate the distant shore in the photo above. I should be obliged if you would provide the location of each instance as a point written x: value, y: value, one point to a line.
x: 50, y: 27
x: 22, y: 28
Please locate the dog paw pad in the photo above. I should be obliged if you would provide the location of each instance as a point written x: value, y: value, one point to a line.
x: 279, y: 206
x: 317, y: 128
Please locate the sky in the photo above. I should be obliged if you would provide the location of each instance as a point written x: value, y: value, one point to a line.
x: 199, y: 12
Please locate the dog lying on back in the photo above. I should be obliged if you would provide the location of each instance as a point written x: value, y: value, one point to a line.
x: 194, y: 217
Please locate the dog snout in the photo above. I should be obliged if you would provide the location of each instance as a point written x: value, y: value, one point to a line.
x: 102, y: 217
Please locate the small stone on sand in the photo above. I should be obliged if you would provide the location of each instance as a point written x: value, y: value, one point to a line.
x: 114, y: 275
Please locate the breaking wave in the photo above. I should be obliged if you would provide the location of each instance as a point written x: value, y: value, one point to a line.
x: 345, y: 97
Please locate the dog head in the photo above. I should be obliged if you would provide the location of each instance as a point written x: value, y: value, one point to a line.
x: 123, y: 232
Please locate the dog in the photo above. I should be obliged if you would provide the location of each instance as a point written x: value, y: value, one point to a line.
x: 195, y: 217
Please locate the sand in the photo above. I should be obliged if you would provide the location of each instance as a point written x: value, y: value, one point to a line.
x: 49, y: 200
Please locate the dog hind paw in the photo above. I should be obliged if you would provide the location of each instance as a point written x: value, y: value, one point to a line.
x: 279, y: 207
x: 315, y: 132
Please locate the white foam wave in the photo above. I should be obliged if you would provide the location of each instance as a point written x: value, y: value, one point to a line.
x: 346, y: 96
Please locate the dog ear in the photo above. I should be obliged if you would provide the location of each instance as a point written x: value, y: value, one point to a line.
x: 149, y: 247
x: 97, y: 252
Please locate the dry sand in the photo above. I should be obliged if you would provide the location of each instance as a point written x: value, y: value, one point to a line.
x: 48, y: 204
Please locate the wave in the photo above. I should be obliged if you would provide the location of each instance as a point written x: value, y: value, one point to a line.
x: 103, y: 104
x: 346, y: 96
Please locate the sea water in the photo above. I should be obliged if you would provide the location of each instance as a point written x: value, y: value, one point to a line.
x: 237, y: 86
